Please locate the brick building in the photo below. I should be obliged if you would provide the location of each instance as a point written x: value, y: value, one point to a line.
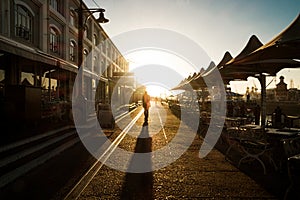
x: 39, y: 58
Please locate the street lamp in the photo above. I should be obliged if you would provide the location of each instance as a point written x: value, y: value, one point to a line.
x: 81, y: 25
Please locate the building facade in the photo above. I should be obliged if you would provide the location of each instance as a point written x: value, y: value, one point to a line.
x: 282, y: 94
x: 281, y: 90
x: 39, y: 59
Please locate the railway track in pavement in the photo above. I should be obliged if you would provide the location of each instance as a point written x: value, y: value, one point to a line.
x: 89, y: 175
x: 72, y: 183
x: 126, y: 140
x: 21, y: 157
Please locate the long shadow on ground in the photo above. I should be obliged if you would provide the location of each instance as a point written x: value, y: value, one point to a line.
x: 140, y: 185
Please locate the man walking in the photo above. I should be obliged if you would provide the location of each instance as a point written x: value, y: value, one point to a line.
x: 146, y: 106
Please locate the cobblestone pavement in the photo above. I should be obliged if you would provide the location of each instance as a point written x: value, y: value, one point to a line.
x: 189, y: 177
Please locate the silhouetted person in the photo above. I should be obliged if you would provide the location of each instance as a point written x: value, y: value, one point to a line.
x: 242, y: 110
x: 230, y: 109
x: 278, y: 117
x: 146, y: 106
x: 248, y: 94
x: 257, y: 114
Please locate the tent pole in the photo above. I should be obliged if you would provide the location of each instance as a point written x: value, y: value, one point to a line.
x: 263, y: 100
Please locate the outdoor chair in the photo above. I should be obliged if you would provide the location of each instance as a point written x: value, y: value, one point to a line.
x: 291, y: 146
x: 269, y: 121
x: 291, y: 160
x: 204, y: 121
x: 231, y: 136
x: 294, y: 176
x: 251, y: 143
x: 254, y: 144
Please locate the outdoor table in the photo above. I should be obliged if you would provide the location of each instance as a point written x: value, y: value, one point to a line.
x: 291, y: 119
x: 276, y: 138
x: 251, y: 126
x: 282, y: 133
x: 235, y: 121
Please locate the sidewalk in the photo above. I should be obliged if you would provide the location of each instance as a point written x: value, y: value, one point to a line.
x: 274, y: 181
x: 189, y: 177
x: 211, y: 177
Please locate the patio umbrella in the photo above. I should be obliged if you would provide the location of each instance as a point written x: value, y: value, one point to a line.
x: 182, y: 85
x: 185, y: 84
x: 283, y: 48
x: 283, y: 51
x: 198, y: 82
x: 188, y: 83
x: 232, y: 70
x: 226, y: 58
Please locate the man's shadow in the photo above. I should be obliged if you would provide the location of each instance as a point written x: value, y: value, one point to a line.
x: 140, y: 185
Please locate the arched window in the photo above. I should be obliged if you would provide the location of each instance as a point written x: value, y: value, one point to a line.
x: 85, y: 55
x: 73, y: 20
x: 23, y: 23
x: 54, y: 4
x: 54, y: 40
x: 86, y: 31
x: 95, y: 64
x: 72, y: 51
x: 95, y: 39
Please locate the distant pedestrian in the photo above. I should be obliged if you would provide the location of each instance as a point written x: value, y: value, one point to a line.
x: 146, y: 106
x: 247, y: 94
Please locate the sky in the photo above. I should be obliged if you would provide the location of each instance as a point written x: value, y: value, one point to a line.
x: 216, y: 26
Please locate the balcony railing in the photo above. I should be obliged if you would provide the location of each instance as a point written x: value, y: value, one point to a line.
x: 23, y: 32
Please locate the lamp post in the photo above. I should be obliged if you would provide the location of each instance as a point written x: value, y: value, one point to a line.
x: 81, y: 25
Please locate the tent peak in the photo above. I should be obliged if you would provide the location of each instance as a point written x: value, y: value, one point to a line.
x: 252, y: 44
x: 227, y: 57
x: 290, y: 33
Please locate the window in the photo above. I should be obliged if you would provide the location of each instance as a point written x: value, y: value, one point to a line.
x: 54, y: 4
x: 88, y: 32
x: 57, y: 5
x: 95, y: 64
x: 107, y: 49
x: 27, y: 79
x: 85, y: 33
x: 95, y: 39
x: 49, y: 85
x: 23, y: 23
x: 72, y: 18
x: 85, y: 55
x: 2, y: 76
x: 72, y: 51
x: 102, y: 65
x: 2, y: 80
x: 54, y: 40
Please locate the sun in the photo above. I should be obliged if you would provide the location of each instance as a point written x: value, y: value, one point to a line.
x: 157, y: 91
x: 158, y: 70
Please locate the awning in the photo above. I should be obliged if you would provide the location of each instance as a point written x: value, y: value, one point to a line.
x: 13, y: 47
x: 67, y: 66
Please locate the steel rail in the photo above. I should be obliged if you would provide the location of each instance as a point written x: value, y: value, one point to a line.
x: 80, y: 186
x: 19, y: 153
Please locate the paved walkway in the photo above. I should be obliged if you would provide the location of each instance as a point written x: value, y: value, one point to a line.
x: 189, y: 177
